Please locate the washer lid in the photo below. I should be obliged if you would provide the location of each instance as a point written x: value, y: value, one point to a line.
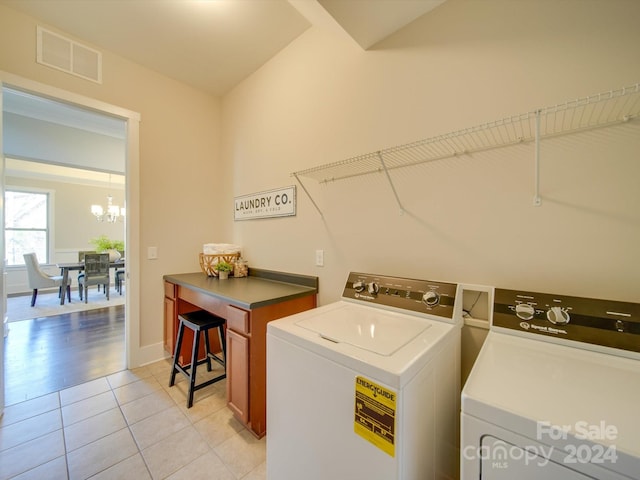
x: 377, y: 331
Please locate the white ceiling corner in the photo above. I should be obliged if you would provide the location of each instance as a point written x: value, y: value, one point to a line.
x: 213, y: 45
x: 369, y: 22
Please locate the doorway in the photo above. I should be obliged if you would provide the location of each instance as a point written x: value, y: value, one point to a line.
x: 131, y: 170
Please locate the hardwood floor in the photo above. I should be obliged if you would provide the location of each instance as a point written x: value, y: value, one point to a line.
x: 47, y: 354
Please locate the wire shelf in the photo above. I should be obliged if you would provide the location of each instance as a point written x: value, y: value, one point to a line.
x: 595, y: 111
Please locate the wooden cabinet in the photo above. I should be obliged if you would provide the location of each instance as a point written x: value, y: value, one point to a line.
x: 246, y: 336
x: 170, y: 317
x: 238, y: 368
x: 238, y: 375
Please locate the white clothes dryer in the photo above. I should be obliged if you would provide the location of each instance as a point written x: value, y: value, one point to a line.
x: 555, y: 391
x: 367, y: 387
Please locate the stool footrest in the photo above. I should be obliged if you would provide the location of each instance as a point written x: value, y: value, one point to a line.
x: 216, y: 358
x: 209, y: 382
x: 185, y: 370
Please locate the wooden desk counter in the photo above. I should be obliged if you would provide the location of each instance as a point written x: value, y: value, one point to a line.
x: 248, y: 304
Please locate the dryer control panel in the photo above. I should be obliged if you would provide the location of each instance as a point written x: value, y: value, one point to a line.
x: 588, y: 320
x: 422, y: 296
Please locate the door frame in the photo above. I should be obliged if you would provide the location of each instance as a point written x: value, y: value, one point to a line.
x: 132, y: 201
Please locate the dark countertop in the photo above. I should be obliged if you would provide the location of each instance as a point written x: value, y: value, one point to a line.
x: 260, y: 288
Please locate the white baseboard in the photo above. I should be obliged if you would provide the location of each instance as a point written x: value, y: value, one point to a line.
x: 149, y: 354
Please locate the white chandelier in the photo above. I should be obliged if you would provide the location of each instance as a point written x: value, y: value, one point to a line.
x: 111, y: 214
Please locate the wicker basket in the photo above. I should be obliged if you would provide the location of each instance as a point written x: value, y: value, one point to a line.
x: 208, y: 262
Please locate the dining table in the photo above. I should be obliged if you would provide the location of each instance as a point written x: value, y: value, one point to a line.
x: 67, y: 267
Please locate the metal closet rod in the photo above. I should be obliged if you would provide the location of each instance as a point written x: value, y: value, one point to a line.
x: 594, y: 111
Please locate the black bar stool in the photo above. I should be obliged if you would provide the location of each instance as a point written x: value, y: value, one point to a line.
x: 199, y: 321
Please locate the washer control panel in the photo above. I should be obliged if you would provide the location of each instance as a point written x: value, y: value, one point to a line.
x: 588, y: 320
x: 423, y: 296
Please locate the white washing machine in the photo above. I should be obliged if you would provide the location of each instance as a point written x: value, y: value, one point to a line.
x: 367, y: 387
x: 555, y: 391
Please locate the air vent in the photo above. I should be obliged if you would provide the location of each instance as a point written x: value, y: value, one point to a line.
x: 64, y: 54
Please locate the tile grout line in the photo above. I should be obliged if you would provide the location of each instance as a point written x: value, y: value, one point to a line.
x: 154, y: 375
x: 139, y: 452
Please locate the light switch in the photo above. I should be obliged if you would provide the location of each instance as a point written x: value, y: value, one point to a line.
x: 152, y: 253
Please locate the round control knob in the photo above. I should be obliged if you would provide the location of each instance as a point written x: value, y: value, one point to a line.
x: 525, y: 311
x: 358, y: 286
x: 558, y: 316
x: 431, y: 298
x: 373, y: 288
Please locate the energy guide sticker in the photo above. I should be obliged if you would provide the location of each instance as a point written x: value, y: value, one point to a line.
x: 375, y: 414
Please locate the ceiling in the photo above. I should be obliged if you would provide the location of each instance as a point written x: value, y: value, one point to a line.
x: 215, y: 44
x: 211, y: 45
x: 48, y: 110
x: 15, y: 167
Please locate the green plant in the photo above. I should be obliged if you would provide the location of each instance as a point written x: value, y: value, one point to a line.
x: 103, y: 243
x: 223, y: 266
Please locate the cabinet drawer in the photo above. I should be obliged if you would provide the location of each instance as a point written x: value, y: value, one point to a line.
x: 169, y: 290
x: 238, y: 320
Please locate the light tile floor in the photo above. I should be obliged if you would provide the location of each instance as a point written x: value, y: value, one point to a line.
x: 129, y: 425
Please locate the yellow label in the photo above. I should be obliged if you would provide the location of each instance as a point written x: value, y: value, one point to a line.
x: 375, y: 414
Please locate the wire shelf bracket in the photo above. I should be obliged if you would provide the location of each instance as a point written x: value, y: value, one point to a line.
x: 393, y: 188
x: 595, y: 111
x: 537, y: 201
x: 308, y: 194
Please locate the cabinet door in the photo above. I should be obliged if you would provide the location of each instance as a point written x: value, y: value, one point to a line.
x: 169, y: 324
x: 238, y: 375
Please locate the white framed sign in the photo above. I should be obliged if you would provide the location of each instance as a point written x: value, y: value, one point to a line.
x: 272, y: 203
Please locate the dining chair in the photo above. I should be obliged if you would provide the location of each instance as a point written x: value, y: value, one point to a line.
x: 81, y: 255
x: 96, y: 272
x: 39, y: 279
x: 119, y: 275
x: 119, y: 280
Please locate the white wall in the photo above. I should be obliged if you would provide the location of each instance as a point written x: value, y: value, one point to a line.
x: 324, y: 99
x: 468, y: 219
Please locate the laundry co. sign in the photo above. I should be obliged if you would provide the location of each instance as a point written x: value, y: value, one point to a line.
x: 273, y: 203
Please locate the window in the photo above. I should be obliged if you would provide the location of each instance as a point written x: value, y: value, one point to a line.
x: 26, y: 225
